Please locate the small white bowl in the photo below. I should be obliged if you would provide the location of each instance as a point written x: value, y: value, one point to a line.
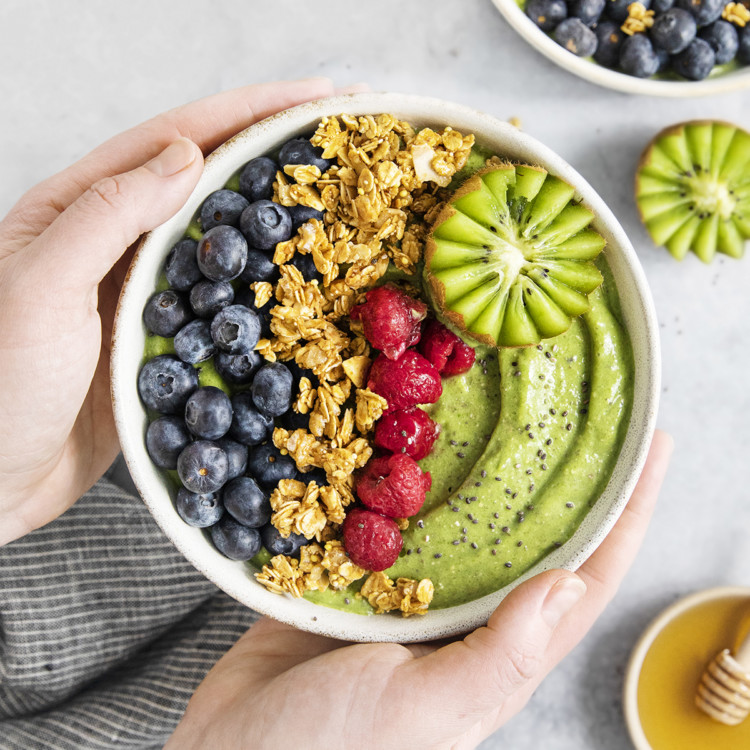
x: 129, y: 339
x: 652, y: 632
x: 591, y: 71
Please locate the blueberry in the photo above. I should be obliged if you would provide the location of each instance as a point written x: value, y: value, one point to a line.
x: 665, y: 60
x: 696, y: 61
x: 208, y: 297
x: 293, y: 421
x: 743, y: 53
x: 181, y: 266
x: 301, y: 151
x: 166, y: 312
x: 208, y: 413
x: 193, y: 342
x: 222, y: 253
x: 236, y: 329
x: 166, y: 437
x: 249, y: 426
x: 246, y: 296
x: 247, y: 502
x: 272, y: 389
x: 237, y: 456
x: 257, y: 178
x: 165, y: 383
x: 264, y: 223
x: 576, y: 37
x: 673, y: 30
x: 203, y: 467
x: 237, y: 369
x: 587, y: 10
x: 660, y: 6
x: 279, y: 545
x: 222, y: 207
x: 306, y: 266
x: 235, y: 541
x: 637, y: 56
x: 266, y: 464
x: 301, y: 372
x: 617, y: 10
x: 314, y: 475
x: 259, y: 267
x: 546, y: 14
x: 609, y: 39
x: 724, y: 40
x: 704, y: 11
x: 300, y: 214
x: 199, y: 510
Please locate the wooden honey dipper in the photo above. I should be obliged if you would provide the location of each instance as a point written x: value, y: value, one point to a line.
x: 724, y: 690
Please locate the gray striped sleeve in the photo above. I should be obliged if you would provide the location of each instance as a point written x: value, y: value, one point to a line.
x: 105, y: 630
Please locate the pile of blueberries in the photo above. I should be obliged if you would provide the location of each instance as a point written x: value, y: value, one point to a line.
x: 220, y: 444
x: 688, y: 37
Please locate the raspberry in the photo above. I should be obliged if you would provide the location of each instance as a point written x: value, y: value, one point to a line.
x: 372, y: 541
x: 406, y: 381
x: 391, y: 319
x: 409, y: 431
x: 393, y: 485
x: 446, y: 351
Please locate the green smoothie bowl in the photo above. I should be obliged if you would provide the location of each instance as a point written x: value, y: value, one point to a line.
x: 393, y: 357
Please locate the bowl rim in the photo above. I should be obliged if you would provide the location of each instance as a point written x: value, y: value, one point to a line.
x: 130, y: 422
x: 613, y: 79
x: 644, y: 643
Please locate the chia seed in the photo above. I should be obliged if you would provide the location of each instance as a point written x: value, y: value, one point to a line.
x: 454, y: 509
x: 475, y: 520
x: 584, y: 410
x: 419, y: 550
x: 474, y: 545
x: 347, y: 600
x: 509, y: 565
x: 568, y: 427
x: 420, y: 523
x: 464, y: 531
x: 470, y: 516
x: 492, y: 526
x: 549, y: 442
x: 508, y: 507
x: 531, y: 436
x: 438, y: 554
x: 453, y: 442
x: 494, y: 551
x: 472, y: 498
x: 460, y: 455
x: 531, y: 487
x: 553, y: 412
x: 498, y: 541
x: 496, y: 515
x: 519, y: 544
x: 408, y: 552
x: 464, y: 539
x: 565, y: 413
x: 507, y: 491
x: 514, y: 495
x: 498, y: 479
x: 528, y: 471
x: 484, y: 473
x: 544, y: 467
x: 465, y: 443
x: 505, y: 530
x: 477, y: 484
x: 456, y: 541
x: 517, y: 373
x: 569, y: 505
x: 541, y: 424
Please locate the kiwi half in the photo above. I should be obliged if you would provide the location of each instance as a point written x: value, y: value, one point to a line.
x: 693, y: 189
x: 509, y: 258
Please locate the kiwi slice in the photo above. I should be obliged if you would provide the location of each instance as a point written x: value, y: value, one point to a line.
x: 692, y: 188
x: 509, y: 258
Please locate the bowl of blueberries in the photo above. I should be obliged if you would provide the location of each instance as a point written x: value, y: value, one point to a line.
x: 655, y: 47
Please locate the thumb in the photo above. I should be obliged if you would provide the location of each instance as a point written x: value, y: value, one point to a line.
x: 470, y: 678
x: 80, y: 247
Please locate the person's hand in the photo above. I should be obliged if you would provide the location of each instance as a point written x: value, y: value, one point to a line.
x: 62, y: 261
x: 281, y: 687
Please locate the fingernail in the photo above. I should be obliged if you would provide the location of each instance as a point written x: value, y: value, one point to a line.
x: 562, y: 597
x: 174, y: 158
x: 355, y: 88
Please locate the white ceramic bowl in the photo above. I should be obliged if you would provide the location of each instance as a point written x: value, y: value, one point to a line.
x: 612, y: 79
x: 129, y: 338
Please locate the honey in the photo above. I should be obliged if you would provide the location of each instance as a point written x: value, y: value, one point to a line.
x: 672, y: 669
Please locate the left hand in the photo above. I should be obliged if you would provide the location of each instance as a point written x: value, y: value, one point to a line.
x: 281, y: 687
x: 64, y: 250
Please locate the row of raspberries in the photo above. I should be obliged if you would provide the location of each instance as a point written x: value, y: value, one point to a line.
x: 392, y: 485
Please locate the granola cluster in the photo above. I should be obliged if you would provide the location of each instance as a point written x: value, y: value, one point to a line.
x: 378, y: 199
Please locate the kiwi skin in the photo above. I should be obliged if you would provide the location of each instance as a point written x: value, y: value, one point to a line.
x: 524, y: 285
x: 737, y: 225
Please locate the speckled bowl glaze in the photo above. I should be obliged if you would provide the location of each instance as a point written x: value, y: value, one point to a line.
x: 612, y: 79
x: 129, y: 338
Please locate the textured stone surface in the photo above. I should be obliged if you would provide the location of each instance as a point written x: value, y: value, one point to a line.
x: 73, y: 76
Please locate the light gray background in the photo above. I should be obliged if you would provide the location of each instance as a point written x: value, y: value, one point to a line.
x: 74, y: 73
